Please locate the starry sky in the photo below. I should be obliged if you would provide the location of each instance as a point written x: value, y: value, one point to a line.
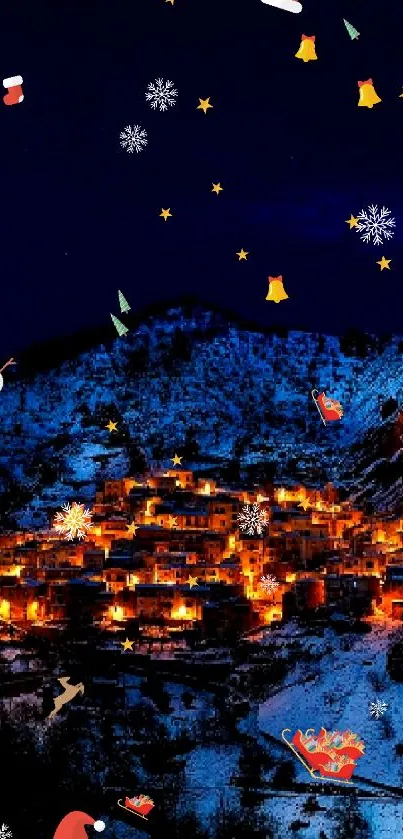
x: 293, y: 152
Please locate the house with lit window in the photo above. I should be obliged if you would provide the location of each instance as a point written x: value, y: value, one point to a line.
x: 22, y: 602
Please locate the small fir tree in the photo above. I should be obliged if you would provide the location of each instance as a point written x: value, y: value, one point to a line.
x: 120, y: 327
x: 124, y: 306
x: 352, y: 31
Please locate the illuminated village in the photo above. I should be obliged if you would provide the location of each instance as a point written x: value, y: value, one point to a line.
x: 188, y: 659
x: 167, y: 551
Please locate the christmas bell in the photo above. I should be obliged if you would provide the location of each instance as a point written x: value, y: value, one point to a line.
x: 368, y: 95
x: 276, y: 290
x: 307, y: 49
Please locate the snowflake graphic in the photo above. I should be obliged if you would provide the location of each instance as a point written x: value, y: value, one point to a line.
x: 5, y: 832
x: 269, y: 584
x: 252, y: 519
x: 161, y: 94
x: 375, y: 225
x: 133, y: 138
x: 73, y: 522
x: 377, y: 708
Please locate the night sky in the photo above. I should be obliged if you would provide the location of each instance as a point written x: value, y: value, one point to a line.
x: 286, y: 140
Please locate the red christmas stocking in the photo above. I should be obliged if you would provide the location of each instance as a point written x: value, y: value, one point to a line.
x: 15, y: 94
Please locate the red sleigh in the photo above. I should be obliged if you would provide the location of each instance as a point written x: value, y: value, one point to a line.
x: 140, y: 805
x: 332, y: 755
x: 329, y: 409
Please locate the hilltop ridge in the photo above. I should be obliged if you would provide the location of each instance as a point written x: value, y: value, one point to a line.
x: 191, y: 381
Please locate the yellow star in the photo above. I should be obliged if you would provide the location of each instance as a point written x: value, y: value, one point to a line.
x: 177, y: 461
x: 384, y: 263
x: 192, y: 581
x: 111, y: 426
x: 131, y: 528
x: 204, y: 105
x: 165, y: 214
x: 305, y: 504
x: 170, y: 1
x: 242, y: 254
x: 352, y: 221
x: 127, y: 645
x: 217, y: 188
x: 401, y: 96
x: 172, y: 521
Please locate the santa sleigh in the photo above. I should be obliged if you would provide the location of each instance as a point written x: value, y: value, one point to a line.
x: 333, y: 755
x: 329, y: 409
x: 140, y: 805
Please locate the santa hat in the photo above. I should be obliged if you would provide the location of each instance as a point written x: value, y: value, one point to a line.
x: 72, y: 826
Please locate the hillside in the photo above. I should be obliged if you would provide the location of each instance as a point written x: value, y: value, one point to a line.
x: 194, y: 382
x: 355, y: 675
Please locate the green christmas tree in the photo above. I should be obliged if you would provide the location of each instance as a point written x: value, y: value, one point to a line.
x: 120, y: 327
x: 124, y: 306
x: 352, y: 31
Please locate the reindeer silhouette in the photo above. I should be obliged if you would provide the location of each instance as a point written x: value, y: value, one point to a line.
x: 70, y: 691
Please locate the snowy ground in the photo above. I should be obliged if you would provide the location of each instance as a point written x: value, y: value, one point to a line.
x: 338, y: 697
x: 385, y: 817
x: 333, y: 688
x: 208, y: 774
x: 341, y: 676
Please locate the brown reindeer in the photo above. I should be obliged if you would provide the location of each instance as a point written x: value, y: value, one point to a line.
x: 70, y: 691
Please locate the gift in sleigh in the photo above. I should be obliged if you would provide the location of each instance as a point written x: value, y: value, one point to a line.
x: 333, y: 754
x: 140, y: 805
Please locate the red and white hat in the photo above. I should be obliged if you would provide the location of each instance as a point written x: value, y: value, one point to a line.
x: 72, y: 826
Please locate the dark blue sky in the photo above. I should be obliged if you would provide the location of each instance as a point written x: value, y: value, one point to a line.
x: 288, y: 143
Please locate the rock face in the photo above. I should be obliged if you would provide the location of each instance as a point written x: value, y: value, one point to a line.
x: 223, y: 396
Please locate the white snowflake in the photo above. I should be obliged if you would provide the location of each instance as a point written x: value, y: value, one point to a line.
x: 375, y: 225
x: 5, y: 832
x: 377, y: 708
x: 269, y: 583
x: 252, y: 519
x: 161, y: 94
x: 73, y: 522
x: 133, y: 138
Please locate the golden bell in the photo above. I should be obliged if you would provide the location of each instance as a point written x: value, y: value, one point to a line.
x: 307, y: 49
x: 368, y: 95
x: 276, y: 290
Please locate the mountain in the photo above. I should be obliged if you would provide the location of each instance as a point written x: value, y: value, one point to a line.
x: 194, y: 381
x: 375, y: 466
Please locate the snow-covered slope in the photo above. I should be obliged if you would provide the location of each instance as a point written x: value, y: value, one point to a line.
x: 198, y: 384
x: 345, y: 683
